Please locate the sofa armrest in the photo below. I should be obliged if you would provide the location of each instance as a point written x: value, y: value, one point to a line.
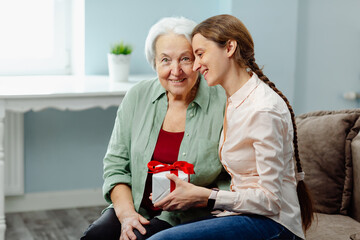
x: 355, y: 205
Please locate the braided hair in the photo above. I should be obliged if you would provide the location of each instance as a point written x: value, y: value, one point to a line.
x: 222, y: 28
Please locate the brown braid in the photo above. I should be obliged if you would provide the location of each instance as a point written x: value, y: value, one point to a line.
x: 223, y: 28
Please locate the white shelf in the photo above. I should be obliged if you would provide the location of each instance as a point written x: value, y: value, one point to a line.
x: 19, y: 94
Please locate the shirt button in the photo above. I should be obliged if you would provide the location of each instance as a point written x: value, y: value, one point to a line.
x: 191, y: 115
x: 184, y: 153
x: 187, y: 134
x: 192, y: 104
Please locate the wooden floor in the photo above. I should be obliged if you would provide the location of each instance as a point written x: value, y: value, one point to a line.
x: 65, y: 224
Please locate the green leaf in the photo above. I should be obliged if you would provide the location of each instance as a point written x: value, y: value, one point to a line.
x: 121, y: 48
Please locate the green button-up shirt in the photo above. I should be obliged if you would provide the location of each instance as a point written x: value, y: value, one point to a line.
x: 137, y: 126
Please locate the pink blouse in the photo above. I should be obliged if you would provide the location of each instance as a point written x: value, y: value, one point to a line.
x: 256, y: 150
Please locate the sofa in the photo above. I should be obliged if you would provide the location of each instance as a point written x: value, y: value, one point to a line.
x: 329, y: 148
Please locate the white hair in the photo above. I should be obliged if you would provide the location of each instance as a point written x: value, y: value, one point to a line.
x: 168, y: 25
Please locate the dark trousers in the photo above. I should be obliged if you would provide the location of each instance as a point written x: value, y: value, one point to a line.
x: 108, y: 227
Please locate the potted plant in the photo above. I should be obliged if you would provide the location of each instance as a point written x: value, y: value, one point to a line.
x: 119, y: 62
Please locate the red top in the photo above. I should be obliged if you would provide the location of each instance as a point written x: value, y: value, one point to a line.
x: 166, y: 151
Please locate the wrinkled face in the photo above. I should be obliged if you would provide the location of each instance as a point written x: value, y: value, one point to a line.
x: 174, y: 65
x: 210, y: 60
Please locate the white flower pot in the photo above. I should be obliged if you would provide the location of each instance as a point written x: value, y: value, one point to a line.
x: 119, y: 67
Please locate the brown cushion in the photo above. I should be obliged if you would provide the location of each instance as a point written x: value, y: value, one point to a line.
x: 355, y: 236
x: 324, y: 139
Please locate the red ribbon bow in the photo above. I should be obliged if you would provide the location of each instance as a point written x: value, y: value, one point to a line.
x: 156, y: 167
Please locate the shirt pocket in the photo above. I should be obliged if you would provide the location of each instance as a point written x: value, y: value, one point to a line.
x: 241, y: 162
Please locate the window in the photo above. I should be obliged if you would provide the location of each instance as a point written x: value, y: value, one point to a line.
x: 35, y: 37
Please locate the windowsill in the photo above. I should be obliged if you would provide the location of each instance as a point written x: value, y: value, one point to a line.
x: 64, y: 85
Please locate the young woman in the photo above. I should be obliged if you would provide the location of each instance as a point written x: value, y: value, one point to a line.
x: 268, y: 198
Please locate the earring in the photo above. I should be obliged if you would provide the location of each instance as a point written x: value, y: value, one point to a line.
x: 248, y: 69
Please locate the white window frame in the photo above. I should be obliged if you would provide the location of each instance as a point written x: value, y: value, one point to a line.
x: 60, y: 63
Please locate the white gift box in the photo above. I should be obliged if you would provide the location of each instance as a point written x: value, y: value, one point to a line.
x: 161, y: 184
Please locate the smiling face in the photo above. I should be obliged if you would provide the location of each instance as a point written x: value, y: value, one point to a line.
x: 174, y: 61
x: 210, y: 60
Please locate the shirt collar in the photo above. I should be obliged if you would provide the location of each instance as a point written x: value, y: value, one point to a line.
x: 202, y: 96
x: 159, y: 91
x: 240, y: 95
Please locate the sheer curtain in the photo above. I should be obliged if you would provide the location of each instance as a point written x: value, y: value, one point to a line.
x: 35, y: 37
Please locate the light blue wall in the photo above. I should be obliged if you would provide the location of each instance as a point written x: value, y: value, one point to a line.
x: 309, y: 48
x: 111, y: 21
x: 328, y: 54
x: 64, y: 150
x: 225, y: 6
x: 273, y: 26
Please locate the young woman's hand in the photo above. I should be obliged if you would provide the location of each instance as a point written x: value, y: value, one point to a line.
x: 185, y: 196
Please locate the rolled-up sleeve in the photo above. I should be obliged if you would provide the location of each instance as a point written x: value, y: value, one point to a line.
x: 117, y: 160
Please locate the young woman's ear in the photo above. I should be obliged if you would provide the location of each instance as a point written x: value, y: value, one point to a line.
x: 231, y: 47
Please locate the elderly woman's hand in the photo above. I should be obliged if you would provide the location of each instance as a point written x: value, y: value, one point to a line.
x: 129, y: 222
x: 185, y: 196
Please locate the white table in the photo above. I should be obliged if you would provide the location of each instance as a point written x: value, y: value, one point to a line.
x: 22, y: 94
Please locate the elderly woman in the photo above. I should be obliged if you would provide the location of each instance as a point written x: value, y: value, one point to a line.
x: 176, y: 117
